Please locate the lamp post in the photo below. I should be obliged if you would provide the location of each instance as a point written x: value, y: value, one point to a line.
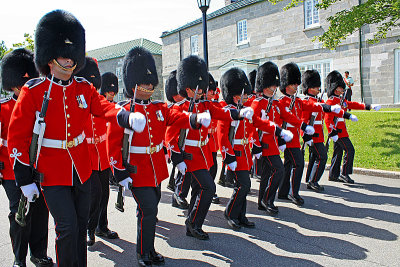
x: 204, y: 5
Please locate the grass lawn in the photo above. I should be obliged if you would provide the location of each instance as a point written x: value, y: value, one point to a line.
x: 376, y: 139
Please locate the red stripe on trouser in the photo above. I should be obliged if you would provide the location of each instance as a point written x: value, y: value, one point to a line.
x: 292, y: 171
x: 315, y: 175
x: 237, y: 180
x: 57, y: 234
x: 270, y: 179
x: 347, y: 156
x: 183, y: 180
x: 198, y: 204
x: 141, y: 223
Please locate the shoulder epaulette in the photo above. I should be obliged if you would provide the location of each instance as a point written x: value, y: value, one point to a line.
x: 205, y: 100
x: 259, y: 98
x: 4, y: 100
x: 180, y: 102
x: 81, y: 80
x: 170, y: 105
x: 157, y: 102
x: 34, y: 82
x: 123, y: 102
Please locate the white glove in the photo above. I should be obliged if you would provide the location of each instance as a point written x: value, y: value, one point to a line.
x: 286, y: 135
x: 125, y: 183
x: 336, y: 109
x: 166, y: 157
x: 137, y: 121
x: 309, y: 142
x: 204, y: 119
x: 310, y: 130
x: 232, y: 166
x: 29, y: 191
x: 258, y: 155
x: 246, y: 113
x: 353, y: 117
x: 282, y: 148
x: 182, y: 167
x: 334, y: 138
x: 376, y: 107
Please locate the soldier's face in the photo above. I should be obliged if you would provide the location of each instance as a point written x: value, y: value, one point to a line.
x: 144, y: 91
x: 313, y: 91
x: 269, y: 91
x: 236, y: 98
x: 210, y: 94
x: 291, y: 89
x: 178, y: 98
x: 110, y: 96
x: 191, y: 92
x: 62, y: 68
x: 339, y: 91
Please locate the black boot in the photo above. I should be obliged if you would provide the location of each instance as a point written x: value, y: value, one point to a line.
x: 144, y: 260
x: 42, y: 261
x: 91, y: 238
x: 179, y: 202
x: 156, y: 258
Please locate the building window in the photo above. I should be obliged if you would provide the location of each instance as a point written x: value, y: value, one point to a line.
x: 242, y: 31
x: 397, y: 76
x: 194, y: 44
x: 311, y: 13
x: 324, y: 67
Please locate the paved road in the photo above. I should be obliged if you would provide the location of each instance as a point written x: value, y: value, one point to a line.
x: 347, y: 225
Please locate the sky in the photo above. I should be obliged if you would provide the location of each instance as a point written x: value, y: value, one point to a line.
x: 105, y: 22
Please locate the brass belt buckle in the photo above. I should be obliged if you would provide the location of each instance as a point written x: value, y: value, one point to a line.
x: 96, y: 140
x: 70, y: 143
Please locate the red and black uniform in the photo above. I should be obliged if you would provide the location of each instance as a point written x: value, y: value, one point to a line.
x: 343, y: 143
x: 147, y: 154
x: 213, y: 143
x: 35, y: 233
x: 272, y: 169
x: 240, y: 151
x: 64, y: 157
x: 294, y: 159
x: 196, y: 143
x: 96, y: 136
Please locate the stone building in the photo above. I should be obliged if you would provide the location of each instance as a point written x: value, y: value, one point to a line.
x: 247, y: 33
x: 111, y: 59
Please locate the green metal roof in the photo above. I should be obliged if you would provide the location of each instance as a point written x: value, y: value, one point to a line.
x: 217, y: 13
x: 121, y: 49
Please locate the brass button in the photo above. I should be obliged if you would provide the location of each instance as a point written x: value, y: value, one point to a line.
x: 66, y: 106
x: 149, y: 128
x: 149, y: 120
x: 151, y: 136
x: 151, y: 143
x: 64, y: 88
x: 94, y: 129
x: 69, y: 125
x: 65, y: 97
x: 67, y: 115
x: 69, y: 134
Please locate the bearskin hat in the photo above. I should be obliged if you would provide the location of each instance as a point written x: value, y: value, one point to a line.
x: 91, y: 72
x: 233, y: 82
x: 171, y: 87
x: 333, y: 81
x: 310, y: 79
x: 17, y: 67
x: 290, y: 74
x: 59, y: 34
x: 267, y: 76
x: 252, y: 79
x: 109, y: 83
x: 212, y: 84
x: 192, y: 72
x: 139, y: 68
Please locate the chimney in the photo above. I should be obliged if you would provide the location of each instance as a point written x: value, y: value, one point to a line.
x: 228, y: 2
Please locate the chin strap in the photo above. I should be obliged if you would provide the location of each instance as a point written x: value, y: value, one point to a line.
x: 145, y: 90
x: 64, y: 68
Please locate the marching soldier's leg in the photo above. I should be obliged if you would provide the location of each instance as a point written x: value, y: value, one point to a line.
x: 259, y: 166
x: 263, y: 183
x: 213, y: 173
x: 181, y: 190
x: 311, y: 162
x: 334, y: 171
x: 284, y: 186
x: 274, y: 163
x: 348, y: 160
x: 318, y: 166
x: 95, y: 196
x: 296, y: 173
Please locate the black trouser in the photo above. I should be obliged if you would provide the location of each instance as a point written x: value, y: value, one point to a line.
x: 69, y: 206
x: 342, y: 144
x: 316, y: 163
x: 236, y: 208
x: 271, y: 177
x: 294, y: 165
x: 147, y: 199
x: 35, y: 233
x: 214, y: 167
x: 182, y: 184
x: 259, y: 166
x: 203, y: 190
x: 100, y: 192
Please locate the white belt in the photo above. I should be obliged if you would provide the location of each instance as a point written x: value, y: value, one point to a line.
x: 317, y: 122
x: 3, y: 142
x: 196, y: 142
x: 146, y: 149
x: 340, y: 119
x: 96, y: 140
x: 64, y: 144
x: 289, y: 125
x: 243, y: 141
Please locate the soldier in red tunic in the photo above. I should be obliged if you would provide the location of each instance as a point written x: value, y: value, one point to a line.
x: 146, y: 148
x: 17, y: 68
x: 337, y: 128
x: 63, y: 158
x: 192, y: 73
x: 96, y: 135
x: 109, y: 86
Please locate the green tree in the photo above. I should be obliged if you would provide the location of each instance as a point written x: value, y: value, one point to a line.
x: 28, y: 43
x: 383, y: 13
x: 3, y: 49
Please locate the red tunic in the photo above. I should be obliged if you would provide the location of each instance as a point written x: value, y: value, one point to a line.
x: 151, y: 167
x: 7, y: 106
x: 96, y: 136
x: 201, y: 155
x: 65, y: 120
x: 333, y: 100
x: 212, y: 132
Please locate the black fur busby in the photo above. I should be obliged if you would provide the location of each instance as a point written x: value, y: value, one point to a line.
x: 171, y: 87
x: 109, y: 83
x: 233, y: 82
x: 333, y: 81
x: 212, y: 84
x: 310, y: 79
x: 252, y: 79
x: 267, y: 76
x: 290, y: 74
x: 192, y: 72
x: 17, y: 67
x: 59, y: 34
x: 91, y: 72
x: 139, y: 68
